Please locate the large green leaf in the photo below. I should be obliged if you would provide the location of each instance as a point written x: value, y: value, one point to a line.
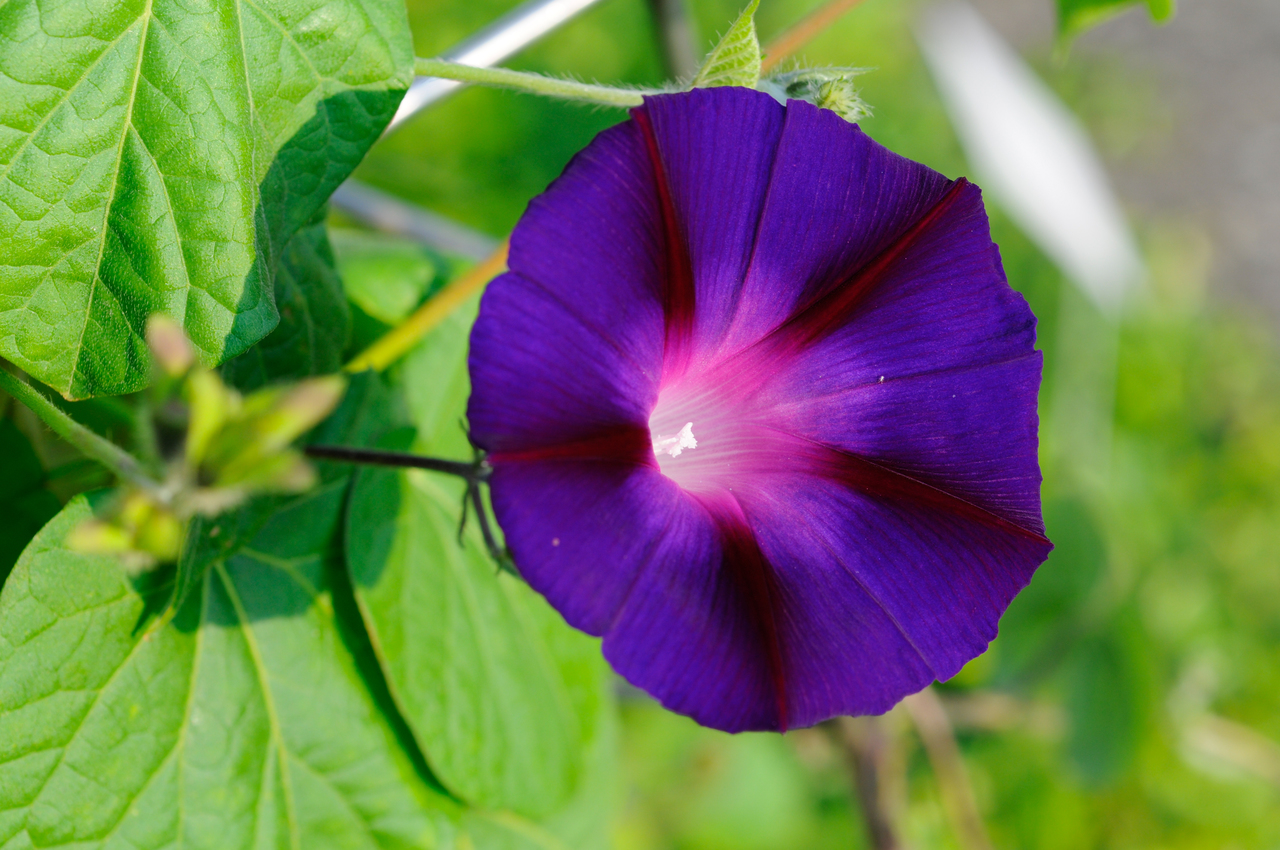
x: 244, y: 722
x: 158, y: 155
x: 25, y: 503
x: 314, y: 319
x: 502, y: 695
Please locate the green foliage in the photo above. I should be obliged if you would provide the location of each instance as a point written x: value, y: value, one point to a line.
x: 1076, y: 16
x: 315, y: 321
x: 215, y: 730
x: 158, y: 157
x: 385, y: 276
x: 501, y: 694
x: 503, y: 697
x: 1049, y: 613
x: 25, y: 503
x: 340, y: 671
x: 735, y: 60
x: 1105, y: 702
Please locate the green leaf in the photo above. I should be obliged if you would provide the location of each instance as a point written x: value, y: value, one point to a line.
x: 436, y: 384
x: 158, y: 156
x: 385, y: 276
x: 243, y: 723
x: 735, y: 60
x: 315, y: 321
x: 25, y: 504
x: 586, y: 821
x: 367, y: 410
x: 503, y: 697
x: 1076, y: 16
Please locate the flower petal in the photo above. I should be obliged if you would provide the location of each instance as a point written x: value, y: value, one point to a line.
x: 879, y: 595
x: 836, y: 200
x: 623, y: 552
x: 716, y: 152
x: 969, y: 432
x: 581, y: 531
x: 698, y: 630
x: 571, y: 340
x: 935, y: 373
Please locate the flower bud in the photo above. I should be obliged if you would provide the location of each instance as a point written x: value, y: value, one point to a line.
x: 169, y: 345
x: 298, y: 409
x: 136, y: 530
x: 213, y: 405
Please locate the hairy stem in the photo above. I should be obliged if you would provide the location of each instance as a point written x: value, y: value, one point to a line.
x: 532, y: 83
x: 105, y: 452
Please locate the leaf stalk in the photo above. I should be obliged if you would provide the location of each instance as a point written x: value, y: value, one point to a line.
x: 92, y: 445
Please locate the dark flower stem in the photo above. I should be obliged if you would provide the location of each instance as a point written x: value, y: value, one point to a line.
x: 934, y: 726
x: 867, y: 743
x: 473, y: 471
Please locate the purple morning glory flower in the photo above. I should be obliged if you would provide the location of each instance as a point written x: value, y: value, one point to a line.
x: 761, y: 410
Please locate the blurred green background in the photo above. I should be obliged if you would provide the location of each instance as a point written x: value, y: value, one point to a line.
x: 1132, y: 698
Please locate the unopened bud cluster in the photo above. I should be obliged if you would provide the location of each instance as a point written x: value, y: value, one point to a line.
x: 828, y: 88
x: 234, y: 446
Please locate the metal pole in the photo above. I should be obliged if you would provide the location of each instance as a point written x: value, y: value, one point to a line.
x: 389, y: 214
x: 505, y: 37
x: 675, y: 32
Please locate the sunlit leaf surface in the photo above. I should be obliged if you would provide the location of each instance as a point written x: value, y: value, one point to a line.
x: 735, y: 60
x: 158, y: 156
x: 246, y: 722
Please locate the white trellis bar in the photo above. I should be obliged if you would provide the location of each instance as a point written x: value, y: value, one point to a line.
x: 513, y: 32
x: 503, y: 38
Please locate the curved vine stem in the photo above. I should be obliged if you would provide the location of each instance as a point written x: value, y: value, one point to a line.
x: 105, y: 452
x: 532, y: 83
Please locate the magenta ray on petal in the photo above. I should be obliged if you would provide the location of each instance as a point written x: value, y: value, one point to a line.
x: 761, y: 410
x: 679, y: 297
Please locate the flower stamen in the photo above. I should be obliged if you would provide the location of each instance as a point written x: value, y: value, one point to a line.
x: 673, y: 446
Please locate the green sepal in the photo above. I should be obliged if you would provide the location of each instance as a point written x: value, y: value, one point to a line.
x: 735, y: 60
